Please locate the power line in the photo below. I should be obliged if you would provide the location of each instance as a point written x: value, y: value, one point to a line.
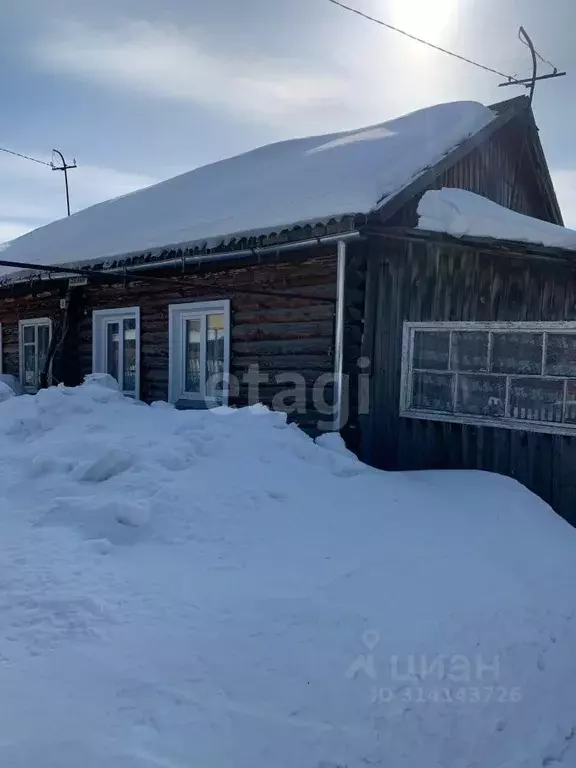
x: 25, y: 157
x: 424, y: 42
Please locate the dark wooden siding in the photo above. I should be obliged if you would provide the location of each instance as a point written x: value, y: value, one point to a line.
x: 282, y: 334
x: 503, y: 169
x: 279, y: 333
x: 423, y: 282
x: 18, y: 305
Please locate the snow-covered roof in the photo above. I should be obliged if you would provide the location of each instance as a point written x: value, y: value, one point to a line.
x: 459, y: 213
x: 302, y: 181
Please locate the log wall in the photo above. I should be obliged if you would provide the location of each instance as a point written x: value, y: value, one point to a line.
x: 278, y: 332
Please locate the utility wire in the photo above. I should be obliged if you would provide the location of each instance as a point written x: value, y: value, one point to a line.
x: 25, y: 157
x: 424, y: 42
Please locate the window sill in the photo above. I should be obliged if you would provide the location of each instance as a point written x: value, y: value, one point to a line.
x: 186, y: 402
x: 566, y: 430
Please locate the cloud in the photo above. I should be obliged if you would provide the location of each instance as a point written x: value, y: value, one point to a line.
x: 565, y: 184
x: 32, y: 195
x: 170, y: 63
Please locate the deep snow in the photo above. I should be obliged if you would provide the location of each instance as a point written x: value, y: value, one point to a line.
x: 459, y: 212
x: 293, y: 182
x: 214, y: 589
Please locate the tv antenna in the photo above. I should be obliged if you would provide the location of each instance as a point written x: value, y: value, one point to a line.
x: 530, y: 82
x: 63, y: 166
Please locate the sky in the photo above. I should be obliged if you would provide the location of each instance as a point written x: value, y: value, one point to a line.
x: 138, y: 91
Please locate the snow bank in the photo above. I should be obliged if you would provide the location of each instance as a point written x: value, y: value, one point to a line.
x: 459, y: 213
x: 294, y: 182
x: 212, y: 588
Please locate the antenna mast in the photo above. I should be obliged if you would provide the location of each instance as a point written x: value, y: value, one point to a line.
x: 63, y: 167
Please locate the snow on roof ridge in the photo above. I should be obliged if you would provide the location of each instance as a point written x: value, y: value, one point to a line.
x: 459, y: 212
x: 294, y: 182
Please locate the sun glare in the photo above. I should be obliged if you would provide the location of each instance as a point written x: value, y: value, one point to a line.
x: 424, y: 18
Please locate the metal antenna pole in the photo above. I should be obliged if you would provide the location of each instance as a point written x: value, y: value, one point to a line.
x: 526, y: 37
x: 64, y: 167
x: 530, y: 82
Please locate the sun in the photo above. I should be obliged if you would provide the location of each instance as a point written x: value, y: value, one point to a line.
x: 424, y: 18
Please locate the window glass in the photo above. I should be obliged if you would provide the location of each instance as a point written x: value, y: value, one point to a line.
x: 561, y: 354
x: 570, y: 405
x: 113, y: 349
x: 129, y: 354
x: 469, y: 351
x: 517, y: 352
x: 432, y: 391
x: 34, y: 345
x: 214, y: 354
x: 30, y: 379
x: 43, y: 345
x: 193, y: 370
x: 481, y: 395
x: 431, y: 350
x: 536, y: 399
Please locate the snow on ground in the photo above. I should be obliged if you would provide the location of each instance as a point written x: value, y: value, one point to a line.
x: 293, y: 182
x: 459, y: 212
x: 214, y: 589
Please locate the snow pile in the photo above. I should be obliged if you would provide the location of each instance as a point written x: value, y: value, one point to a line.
x: 460, y: 213
x: 212, y: 588
x: 293, y: 182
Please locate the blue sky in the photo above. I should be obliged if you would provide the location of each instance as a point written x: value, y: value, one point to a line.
x: 138, y: 91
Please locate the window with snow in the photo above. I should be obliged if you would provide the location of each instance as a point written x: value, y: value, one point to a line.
x: 34, y: 341
x: 515, y: 375
x: 116, y: 346
x: 199, y: 341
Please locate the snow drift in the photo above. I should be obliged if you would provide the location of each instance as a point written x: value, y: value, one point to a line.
x: 459, y: 212
x: 213, y: 588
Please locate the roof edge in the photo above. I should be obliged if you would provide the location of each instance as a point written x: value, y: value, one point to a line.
x: 520, y: 248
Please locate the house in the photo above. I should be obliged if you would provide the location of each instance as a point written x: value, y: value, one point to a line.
x: 296, y: 275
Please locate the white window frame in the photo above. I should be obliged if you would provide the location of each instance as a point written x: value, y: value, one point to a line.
x: 101, y: 319
x: 506, y: 422
x: 32, y: 322
x: 178, y: 314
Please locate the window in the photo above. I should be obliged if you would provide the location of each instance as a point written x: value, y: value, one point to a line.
x: 199, y: 339
x: 515, y: 375
x: 116, y: 346
x: 34, y: 341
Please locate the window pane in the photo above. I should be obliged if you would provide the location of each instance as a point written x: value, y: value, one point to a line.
x: 43, y: 344
x: 28, y: 334
x: 570, y: 413
x: 214, y: 354
x: 113, y: 349
x: 129, y: 362
x: 30, y: 365
x: 481, y: 395
x: 536, y: 399
x: 561, y: 354
x: 432, y: 391
x: 469, y: 351
x: 193, y: 363
x: 517, y: 353
x: 431, y: 350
